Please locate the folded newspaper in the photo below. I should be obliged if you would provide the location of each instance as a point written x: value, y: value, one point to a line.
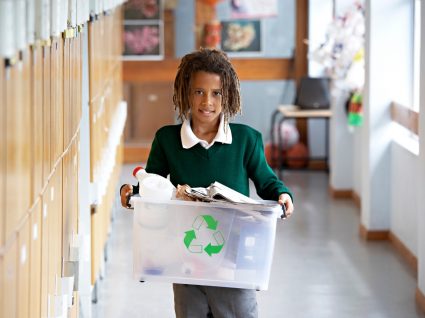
x: 218, y: 192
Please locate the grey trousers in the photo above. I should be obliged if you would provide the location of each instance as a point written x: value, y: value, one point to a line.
x: 218, y: 302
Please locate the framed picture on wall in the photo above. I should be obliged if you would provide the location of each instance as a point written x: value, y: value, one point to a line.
x: 241, y: 37
x: 143, y: 40
x: 143, y: 10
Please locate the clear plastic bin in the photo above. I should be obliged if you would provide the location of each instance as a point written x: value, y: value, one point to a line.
x: 213, y: 244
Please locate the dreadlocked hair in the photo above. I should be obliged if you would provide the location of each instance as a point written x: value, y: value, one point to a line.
x: 210, y: 61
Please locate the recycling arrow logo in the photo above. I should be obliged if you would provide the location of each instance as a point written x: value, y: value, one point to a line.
x: 201, y: 224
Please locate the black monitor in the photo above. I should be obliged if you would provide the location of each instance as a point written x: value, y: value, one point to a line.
x: 313, y: 93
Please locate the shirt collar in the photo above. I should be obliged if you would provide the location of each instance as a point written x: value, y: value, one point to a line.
x: 189, y: 139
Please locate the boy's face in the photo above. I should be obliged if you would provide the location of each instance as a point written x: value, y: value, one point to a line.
x: 206, y: 98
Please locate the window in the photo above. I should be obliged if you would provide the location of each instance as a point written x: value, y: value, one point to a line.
x: 416, y: 54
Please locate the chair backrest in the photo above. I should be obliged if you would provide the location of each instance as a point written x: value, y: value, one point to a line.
x: 313, y: 93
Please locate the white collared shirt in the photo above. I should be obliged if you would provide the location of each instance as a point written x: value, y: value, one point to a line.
x: 189, y: 139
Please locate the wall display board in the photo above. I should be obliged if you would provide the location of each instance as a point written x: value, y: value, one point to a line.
x: 143, y: 30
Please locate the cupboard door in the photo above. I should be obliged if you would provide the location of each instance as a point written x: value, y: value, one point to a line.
x: 17, y: 150
x: 44, y: 286
x: 23, y: 265
x: 35, y: 259
x: 10, y: 281
x: 2, y: 155
x: 151, y: 108
x: 37, y: 120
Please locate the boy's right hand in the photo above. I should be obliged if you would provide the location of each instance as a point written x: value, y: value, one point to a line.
x: 126, y: 192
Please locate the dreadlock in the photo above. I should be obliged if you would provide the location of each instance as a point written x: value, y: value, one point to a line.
x: 210, y: 61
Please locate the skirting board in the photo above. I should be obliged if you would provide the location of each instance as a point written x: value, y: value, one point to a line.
x: 367, y: 235
x: 346, y: 194
x: 374, y: 235
x: 398, y: 245
x: 420, y: 299
x: 402, y: 249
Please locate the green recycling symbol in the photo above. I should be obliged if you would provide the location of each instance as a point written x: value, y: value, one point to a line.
x: 200, y: 223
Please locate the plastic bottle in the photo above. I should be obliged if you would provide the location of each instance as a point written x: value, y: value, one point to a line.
x: 153, y: 186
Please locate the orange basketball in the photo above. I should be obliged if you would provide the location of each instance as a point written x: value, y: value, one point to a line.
x: 297, y: 156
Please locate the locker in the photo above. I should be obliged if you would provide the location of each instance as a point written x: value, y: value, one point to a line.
x: 54, y: 100
x: 35, y: 259
x: 25, y: 119
x: 54, y: 238
x: 23, y: 265
x: 10, y: 281
x: 71, y: 79
x: 17, y: 150
x: 57, y: 99
x: 3, y: 110
x: 1, y: 284
x: 66, y: 93
x: 93, y: 38
x: 47, y: 166
x: 44, y: 286
x: 69, y: 217
x: 80, y: 75
x: 95, y: 255
x: 59, y: 212
x: 37, y: 120
x: 74, y: 169
x: 73, y: 86
x: 93, y: 139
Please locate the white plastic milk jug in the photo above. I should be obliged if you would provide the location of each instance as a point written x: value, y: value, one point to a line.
x: 153, y: 186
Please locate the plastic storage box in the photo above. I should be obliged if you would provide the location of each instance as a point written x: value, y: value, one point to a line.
x: 213, y: 244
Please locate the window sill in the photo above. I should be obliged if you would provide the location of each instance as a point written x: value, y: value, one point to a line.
x: 405, y: 138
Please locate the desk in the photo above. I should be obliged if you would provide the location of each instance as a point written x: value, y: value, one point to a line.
x: 294, y: 112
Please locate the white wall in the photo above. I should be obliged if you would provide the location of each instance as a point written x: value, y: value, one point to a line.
x: 389, y: 177
x: 388, y: 78
x: 392, y: 178
x: 342, y: 155
x: 317, y: 27
x: 404, y: 196
x: 357, y: 161
x: 421, y: 165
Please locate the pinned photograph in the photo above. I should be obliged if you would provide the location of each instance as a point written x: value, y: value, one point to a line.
x: 143, y: 41
x: 142, y: 10
x: 241, y: 36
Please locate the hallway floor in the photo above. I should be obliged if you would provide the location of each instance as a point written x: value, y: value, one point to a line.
x: 321, y: 267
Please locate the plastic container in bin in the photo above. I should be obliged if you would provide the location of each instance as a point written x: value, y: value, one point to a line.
x: 213, y: 244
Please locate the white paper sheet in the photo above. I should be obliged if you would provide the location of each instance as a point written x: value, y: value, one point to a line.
x: 7, y: 44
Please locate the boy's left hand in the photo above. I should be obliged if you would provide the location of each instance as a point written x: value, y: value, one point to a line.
x: 285, y: 199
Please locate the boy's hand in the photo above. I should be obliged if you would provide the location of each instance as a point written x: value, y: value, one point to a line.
x: 286, y: 201
x: 126, y: 192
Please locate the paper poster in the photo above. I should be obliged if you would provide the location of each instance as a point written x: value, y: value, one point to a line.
x: 143, y: 30
x: 7, y: 44
x: 143, y: 40
x: 241, y: 36
x: 249, y: 9
x: 20, y: 25
x: 143, y: 10
x: 55, y: 16
x: 63, y: 20
x: 42, y: 21
x: 30, y: 26
x: 72, y: 13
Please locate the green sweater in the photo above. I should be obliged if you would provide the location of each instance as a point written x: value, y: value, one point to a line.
x: 230, y: 164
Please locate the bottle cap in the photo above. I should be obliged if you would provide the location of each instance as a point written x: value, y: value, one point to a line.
x: 136, y: 170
